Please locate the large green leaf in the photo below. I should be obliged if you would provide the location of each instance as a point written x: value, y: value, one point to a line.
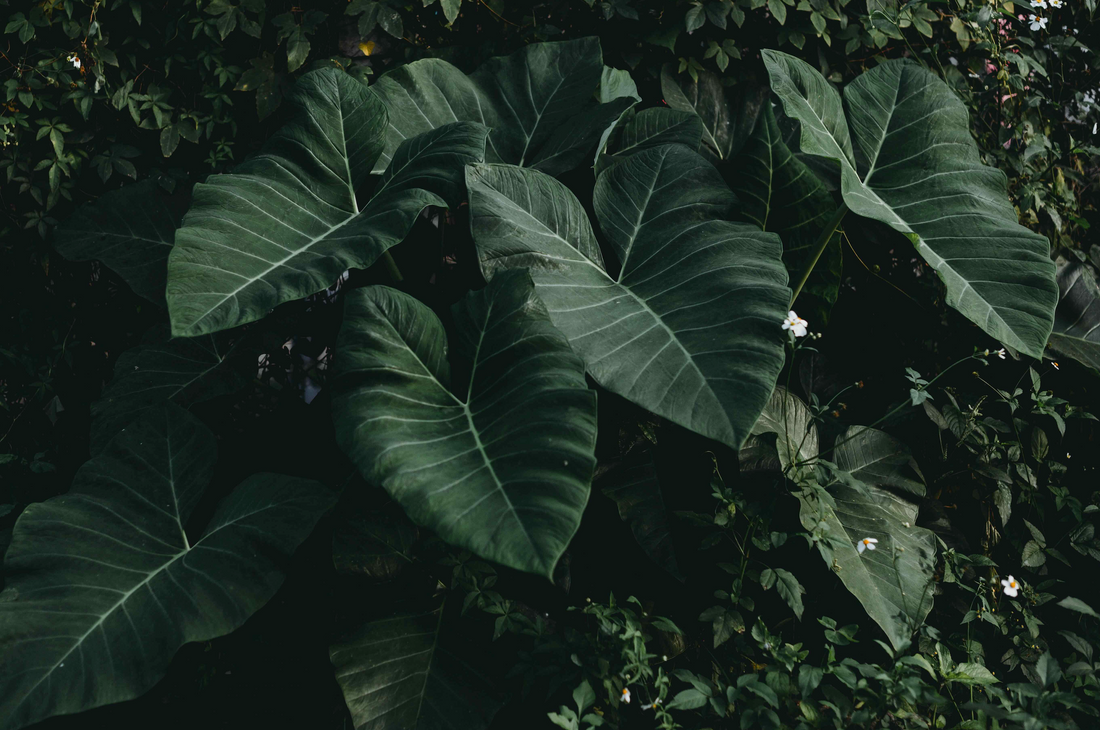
x: 1077, y: 321
x: 637, y: 132
x: 492, y: 450
x: 727, y: 120
x: 104, y: 584
x: 636, y: 490
x: 409, y: 672
x: 779, y: 193
x: 687, y: 326
x: 540, y: 102
x: 130, y: 230
x: 289, y: 221
x: 894, y: 581
x: 907, y: 159
x: 877, y: 458
x: 182, y: 370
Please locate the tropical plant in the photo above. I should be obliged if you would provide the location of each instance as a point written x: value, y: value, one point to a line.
x: 577, y: 332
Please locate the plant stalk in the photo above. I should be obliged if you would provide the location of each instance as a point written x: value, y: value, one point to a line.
x: 391, y: 267
x: 822, y: 242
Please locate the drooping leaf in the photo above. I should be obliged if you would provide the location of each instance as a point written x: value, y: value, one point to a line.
x: 971, y: 673
x: 728, y: 120
x: 907, y: 159
x: 539, y: 103
x: 376, y: 543
x: 878, y: 459
x: 650, y: 128
x: 894, y: 581
x: 781, y: 194
x: 788, y: 587
x: 634, y: 487
x: 130, y: 230
x: 1077, y: 320
x: 184, y: 371
x: 410, y: 672
x: 686, y: 327
x: 287, y: 222
x: 492, y: 450
x: 104, y: 585
x: 790, y: 420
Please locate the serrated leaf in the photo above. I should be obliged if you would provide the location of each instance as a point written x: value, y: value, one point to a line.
x: 686, y: 326
x: 538, y: 102
x: 288, y: 222
x: 104, y: 585
x: 496, y: 459
x: 915, y: 167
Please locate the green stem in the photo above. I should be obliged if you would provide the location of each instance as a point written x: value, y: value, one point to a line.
x: 391, y: 267
x: 822, y: 242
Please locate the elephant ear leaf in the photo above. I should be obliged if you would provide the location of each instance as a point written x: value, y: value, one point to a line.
x: 728, y: 119
x: 547, y: 104
x: 650, y: 128
x: 287, y: 222
x: 907, y: 159
x: 411, y: 671
x: 1077, y: 320
x: 636, y: 490
x: 104, y: 583
x: 686, y: 326
x: 893, y: 581
x: 130, y: 230
x: 877, y: 458
x: 779, y: 193
x: 494, y: 451
x: 184, y: 370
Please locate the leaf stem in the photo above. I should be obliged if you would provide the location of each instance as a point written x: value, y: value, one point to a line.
x: 391, y: 267
x: 822, y: 242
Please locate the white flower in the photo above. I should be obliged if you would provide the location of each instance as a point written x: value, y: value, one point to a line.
x: 1000, y: 353
x: 626, y: 695
x: 653, y: 706
x: 1055, y: 3
x: 867, y: 543
x: 795, y: 324
x: 1039, y: 4
x: 1011, y: 586
x: 74, y: 61
x: 1038, y: 23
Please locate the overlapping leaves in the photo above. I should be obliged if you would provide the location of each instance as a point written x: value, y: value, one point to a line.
x: 682, y: 321
x: 546, y: 105
x: 105, y: 584
x: 1077, y: 321
x: 288, y: 222
x: 492, y: 449
x: 903, y: 143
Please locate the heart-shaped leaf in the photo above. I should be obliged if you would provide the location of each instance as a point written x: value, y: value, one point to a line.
x: 496, y: 456
x: 688, y: 327
x: 410, y: 671
x: 539, y: 102
x: 902, y: 140
x: 727, y: 120
x: 182, y: 370
x: 287, y: 222
x: 779, y: 193
x: 878, y: 459
x: 130, y: 230
x: 634, y: 487
x: 1077, y: 321
x: 654, y: 127
x: 104, y: 584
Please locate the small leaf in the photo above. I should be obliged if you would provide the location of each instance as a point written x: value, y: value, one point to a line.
x: 971, y: 673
